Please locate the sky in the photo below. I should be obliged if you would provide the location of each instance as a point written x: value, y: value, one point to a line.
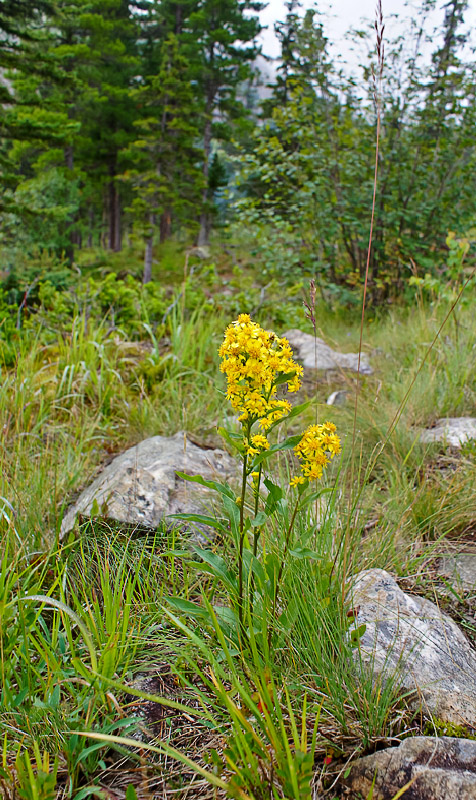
x: 342, y: 15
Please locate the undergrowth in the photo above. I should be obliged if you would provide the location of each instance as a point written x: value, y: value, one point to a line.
x: 84, y: 620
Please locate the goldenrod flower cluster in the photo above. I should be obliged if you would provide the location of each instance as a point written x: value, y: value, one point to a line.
x: 256, y: 445
x: 318, y: 445
x: 252, y: 360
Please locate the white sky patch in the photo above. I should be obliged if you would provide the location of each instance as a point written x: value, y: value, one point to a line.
x: 339, y: 16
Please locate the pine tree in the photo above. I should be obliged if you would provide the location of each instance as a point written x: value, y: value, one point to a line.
x: 167, y: 178
x: 223, y: 39
x: 28, y: 116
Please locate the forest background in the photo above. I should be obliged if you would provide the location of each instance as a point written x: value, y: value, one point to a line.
x: 126, y: 125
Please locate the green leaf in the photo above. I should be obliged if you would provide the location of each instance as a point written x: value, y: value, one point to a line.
x: 288, y: 444
x: 233, y: 512
x: 295, y: 412
x: 90, y: 791
x: 226, y: 616
x: 203, y: 519
x: 272, y: 565
x: 188, y: 608
x: 234, y: 439
x: 357, y: 633
x: 259, y: 520
x: 218, y: 566
x: 284, y: 377
x: 131, y: 793
x: 256, y: 567
x: 312, y: 496
x: 160, y: 749
x: 275, y: 491
x: 222, y: 488
x: 305, y: 552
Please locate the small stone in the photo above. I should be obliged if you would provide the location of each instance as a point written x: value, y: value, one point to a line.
x: 441, y: 769
x: 453, y: 431
x: 200, y: 251
x: 315, y: 353
x: 408, y: 639
x: 338, y: 398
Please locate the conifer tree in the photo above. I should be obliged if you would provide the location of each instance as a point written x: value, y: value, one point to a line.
x: 27, y: 116
x: 166, y: 176
x: 223, y: 36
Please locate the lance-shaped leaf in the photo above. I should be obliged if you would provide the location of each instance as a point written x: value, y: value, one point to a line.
x: 288, y: 444
x: 222, y: 488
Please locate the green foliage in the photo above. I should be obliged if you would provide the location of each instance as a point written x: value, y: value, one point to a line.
x: 306, y: 176
x: 79, y: 620
x: 440, y: 727
x: 39, y: 782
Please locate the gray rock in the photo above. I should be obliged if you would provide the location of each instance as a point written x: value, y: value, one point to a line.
x: 453, y: 431
x: 462, y: 569
x: 314, y: 352
x: 408, y: 639
x: 441, y: 769
x: 201, y: 251
x: 140, y: 486
x: 338, y: 398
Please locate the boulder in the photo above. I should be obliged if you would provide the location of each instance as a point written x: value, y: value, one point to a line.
x: 409, y: 640
x: 453, y: 431
x: 443, y: 769
x: 314, y: 352
x: 461, y: 568
x: 140, y: 487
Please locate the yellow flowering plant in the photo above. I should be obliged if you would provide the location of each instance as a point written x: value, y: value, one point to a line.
x: 256, y: 363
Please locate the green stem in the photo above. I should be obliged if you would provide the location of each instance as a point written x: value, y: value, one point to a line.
x: 242, y: 536
x: 257, y: 530
x: 283, y: 560
x: 256, y: 536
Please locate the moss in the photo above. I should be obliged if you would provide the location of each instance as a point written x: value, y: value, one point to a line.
x: 440, y: 727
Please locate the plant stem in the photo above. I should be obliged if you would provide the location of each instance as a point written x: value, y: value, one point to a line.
x: 257, y: 530
x: 242, y: 537
x: 283, y: 560
x: 256, y: 536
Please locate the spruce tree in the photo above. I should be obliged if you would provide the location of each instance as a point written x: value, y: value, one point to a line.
x: 222, y: 36
x: 166, y: 175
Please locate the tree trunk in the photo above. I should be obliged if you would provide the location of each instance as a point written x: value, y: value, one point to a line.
x: 69, y: 250
x: 114, y: 208
x: 204, y: 232
x: 149, y: 245
x: 165, y: 225
x: 91, y: 226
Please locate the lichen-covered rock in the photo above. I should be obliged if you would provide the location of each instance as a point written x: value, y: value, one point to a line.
x: 140, y: 487
x: 314, y: 352
x: 441, y: 769
x: 408, y: 639
x: 453, y: 431
x: 461, y: 568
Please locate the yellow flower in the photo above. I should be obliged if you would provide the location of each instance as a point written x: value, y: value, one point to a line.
x: 297, y: 480
x: 258, y: 443
x: 317, y: 444
x: 252, y: 358
x: 258, y: 440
